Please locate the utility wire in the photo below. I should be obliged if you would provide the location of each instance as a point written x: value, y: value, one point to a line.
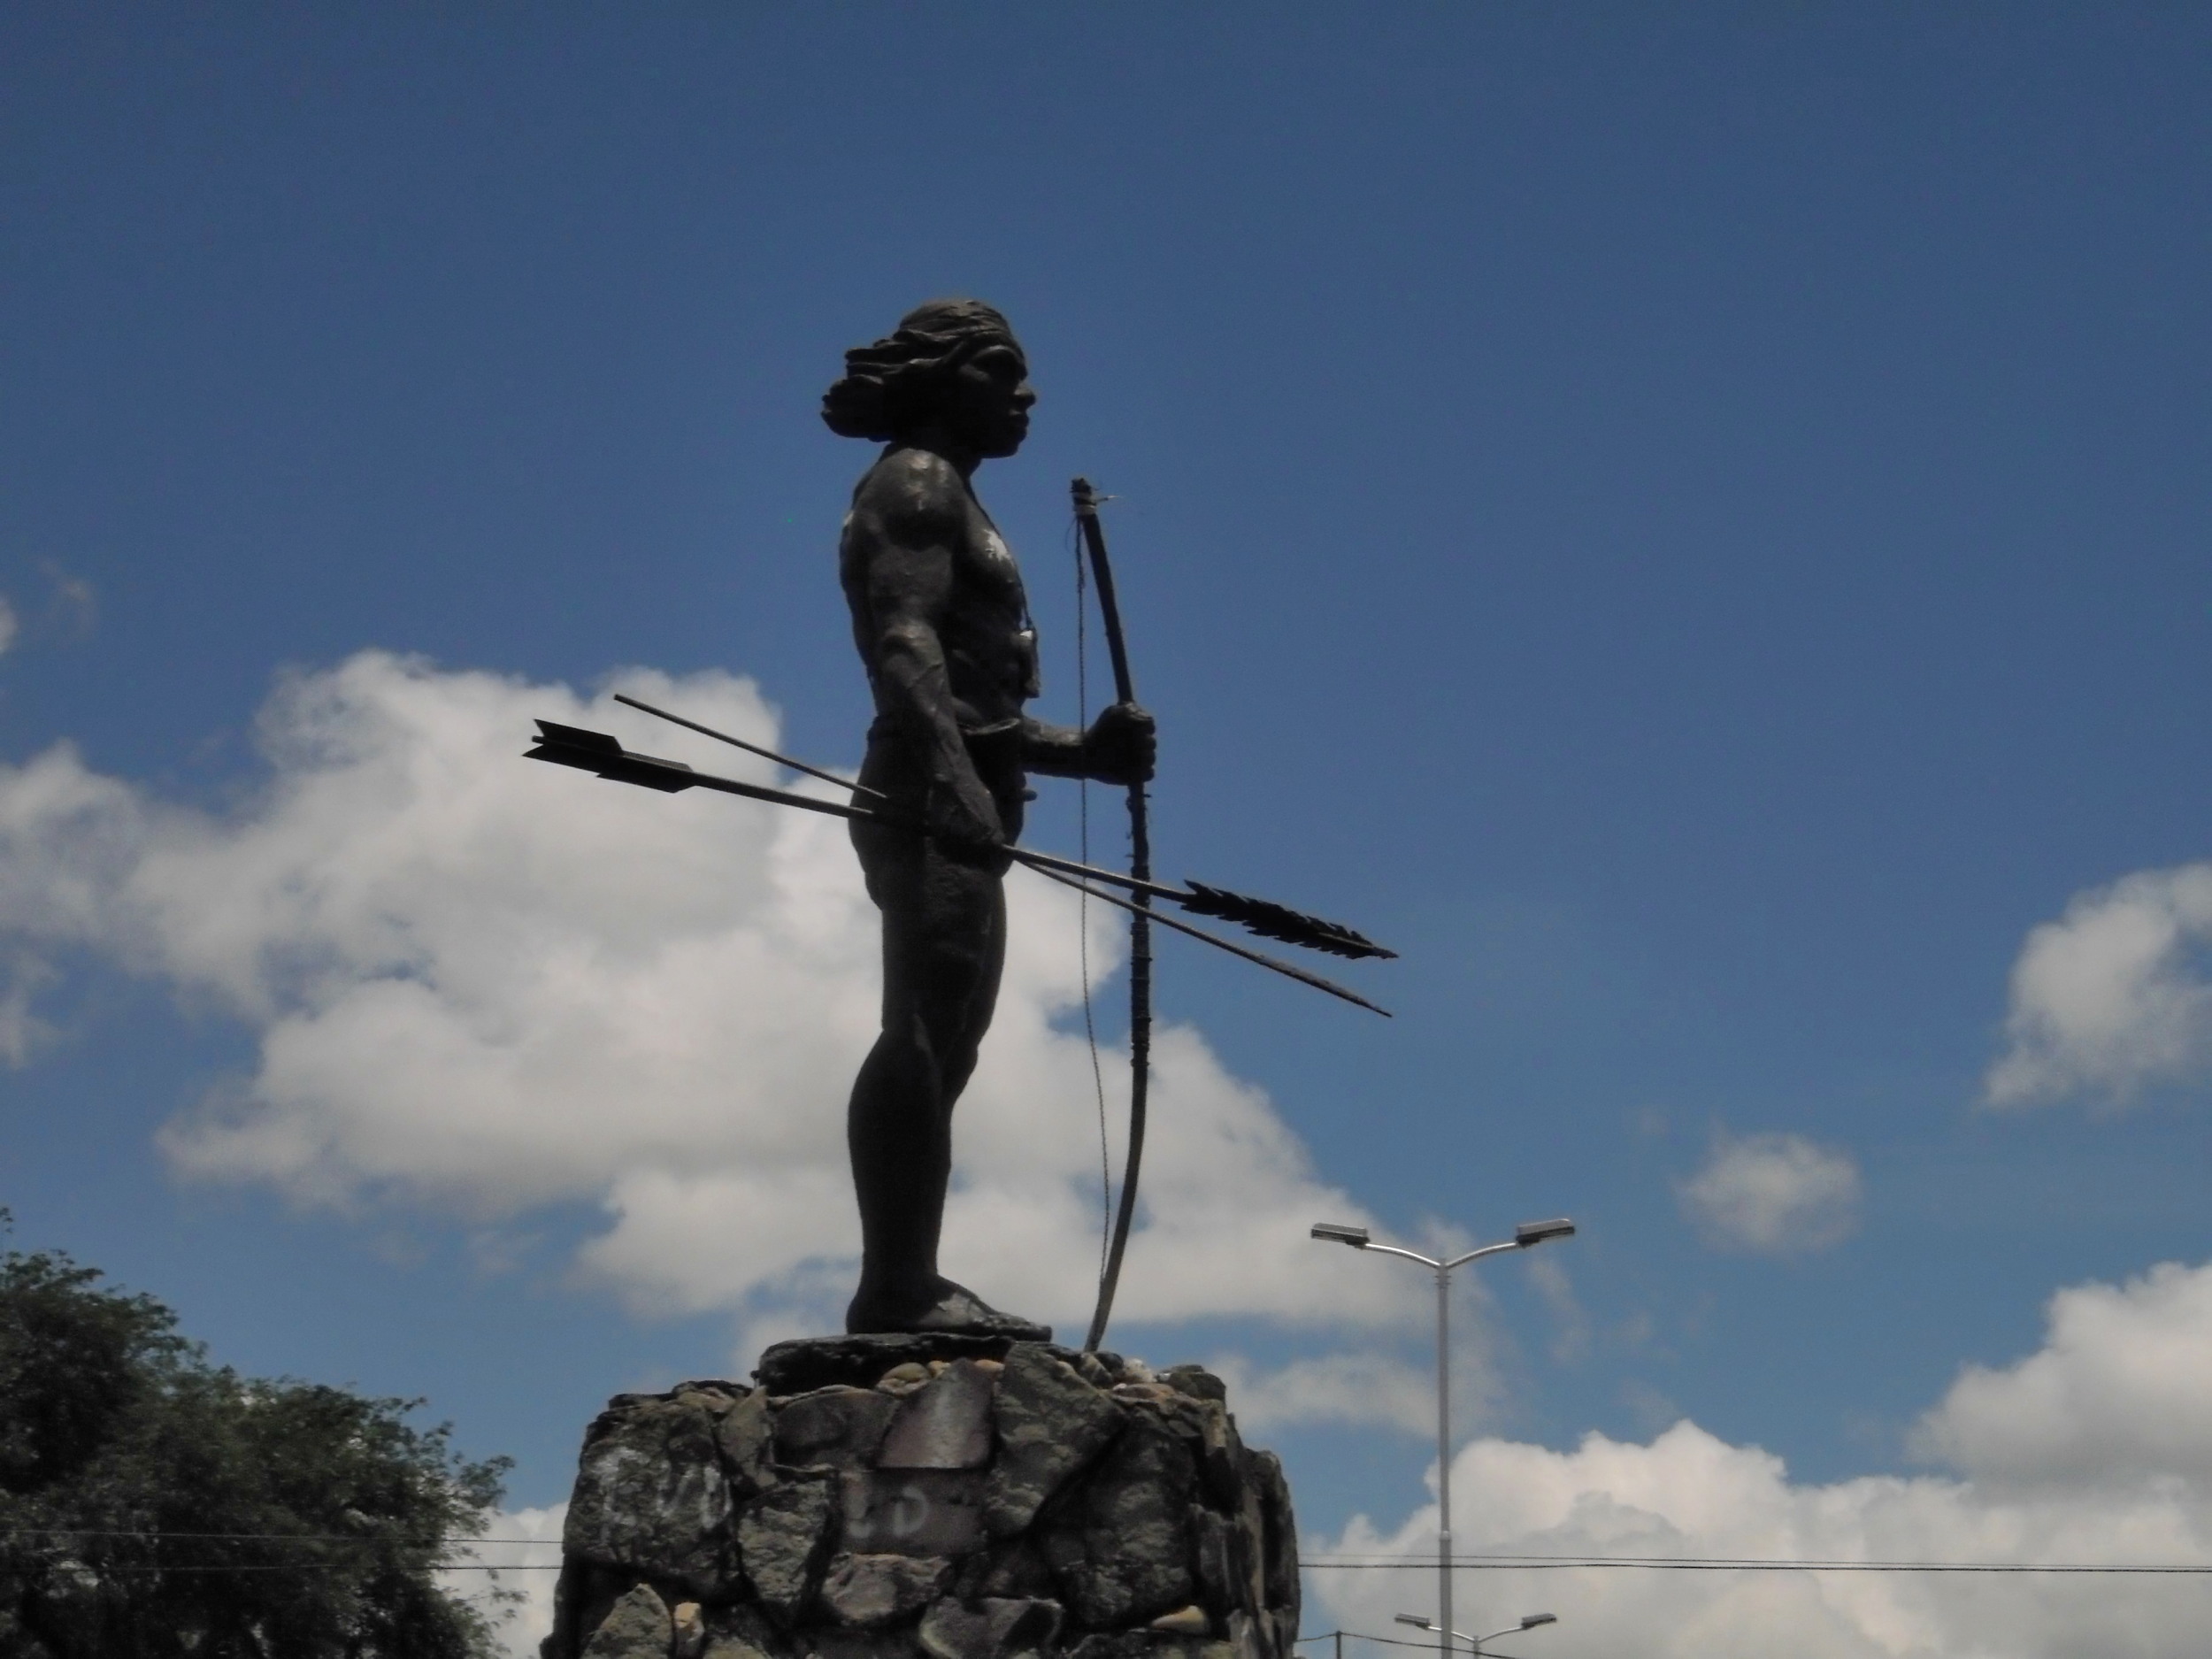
x: 139, y: 1571
x: 1357, y: 1635
x: 1697, y: 1563
x: 1389, y: 1641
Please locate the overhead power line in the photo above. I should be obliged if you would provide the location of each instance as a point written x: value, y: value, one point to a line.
x: 141, y: 1569
x: 204, y: 1538
x: 1357, y: 1635
x: 1721, y: 1563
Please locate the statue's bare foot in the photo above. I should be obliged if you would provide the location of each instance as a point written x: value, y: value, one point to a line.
x: 947, y: 1308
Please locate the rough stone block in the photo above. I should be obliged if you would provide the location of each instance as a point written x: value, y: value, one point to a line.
x: 650, y: 1496
x: 809, y: 1363
x: 869, y: 1590
x: 1281, y: 1535
x: 1050, y: 1424
x: 1220, y: 1454
x: 783, y: 1538
x: 745, y: 1436
x: 740, y: 1632
x: 1203, y: 1424
x: 638, y: 1626
x: 1013, y: 1569
x: 1061, y: 1546
x: 991, y: 1628
x: 913, y: 1511
x: 713, y: 1387
x: 1136, y: 1531
x: 945, y: 1425
x: 835, y: 1641
x: 1198, y: 1382
x: 691, y: 1631
x: 838, y: 1425
x: 1250, y: 1539
x: 1221, y: 1586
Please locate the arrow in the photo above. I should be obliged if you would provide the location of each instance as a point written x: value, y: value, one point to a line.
x: 1262, y: 916
x: 1233, y: 949
x: 598, y: 753
x: 750, y: 748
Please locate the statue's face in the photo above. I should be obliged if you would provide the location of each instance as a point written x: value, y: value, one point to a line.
x: 987, y: 400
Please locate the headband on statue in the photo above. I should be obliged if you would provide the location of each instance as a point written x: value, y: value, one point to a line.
x: 887, y: 385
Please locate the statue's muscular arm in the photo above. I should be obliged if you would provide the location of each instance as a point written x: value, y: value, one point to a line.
x: 1118, y: 748
x: 1057, y: 751
x: 912, y: 517
x: 902, y: 552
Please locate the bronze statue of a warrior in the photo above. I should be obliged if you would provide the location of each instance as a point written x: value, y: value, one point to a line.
x: 944, y: 632
x: 943, y: 629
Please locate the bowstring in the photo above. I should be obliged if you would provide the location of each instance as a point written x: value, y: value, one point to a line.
x: 1083, y: 911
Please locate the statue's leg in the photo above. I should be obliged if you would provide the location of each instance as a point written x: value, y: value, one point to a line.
x: 958, y: 1062
x: 943, y: 945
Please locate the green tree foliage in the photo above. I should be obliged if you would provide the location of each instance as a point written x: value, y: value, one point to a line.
x: 153, y: 1505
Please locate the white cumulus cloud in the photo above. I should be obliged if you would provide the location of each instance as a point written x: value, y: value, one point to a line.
x: 2097, y: 1448
x: 510, y: 1573
x: 2117, y: 1392
x: 1357, y: 1390
x: 2113, y: 996
x: 1773, y: 1194
x: 485, y: 985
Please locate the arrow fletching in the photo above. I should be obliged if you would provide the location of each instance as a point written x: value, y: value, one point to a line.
x: 596, y: 752
x: 1271, y: 921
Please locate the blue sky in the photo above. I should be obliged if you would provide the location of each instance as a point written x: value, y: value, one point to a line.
x: 1687, y: 522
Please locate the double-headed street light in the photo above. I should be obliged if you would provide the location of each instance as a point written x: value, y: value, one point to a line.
x: 1529, y: 1621
x: 1528, y: 1235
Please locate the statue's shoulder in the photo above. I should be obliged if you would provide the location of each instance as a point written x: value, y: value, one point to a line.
x: 913, y: 488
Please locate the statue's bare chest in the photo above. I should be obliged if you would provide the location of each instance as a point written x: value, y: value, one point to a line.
x: 992, y: 571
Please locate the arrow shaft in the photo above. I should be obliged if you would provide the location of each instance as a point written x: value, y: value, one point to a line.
x: 1260, y: 956
x: 1259, y: 915
x: 630, y: 762
x: 762, y: 792
x: 749, y: 747
x: 1069, y: 866
x: 628, y: 766
x: 1051, y: 862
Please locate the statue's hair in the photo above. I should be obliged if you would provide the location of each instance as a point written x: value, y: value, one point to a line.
x: 887, y: 385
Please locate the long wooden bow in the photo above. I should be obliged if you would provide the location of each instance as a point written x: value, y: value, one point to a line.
x: 1140, y: 919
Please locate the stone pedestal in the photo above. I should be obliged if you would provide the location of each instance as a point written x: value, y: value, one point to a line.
x: 893, y: 1497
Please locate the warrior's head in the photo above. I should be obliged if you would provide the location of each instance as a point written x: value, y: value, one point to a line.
x: 953, y: 371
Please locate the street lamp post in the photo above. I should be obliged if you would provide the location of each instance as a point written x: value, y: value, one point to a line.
x: 1525, y: 1236
x: 1529, y: 1621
